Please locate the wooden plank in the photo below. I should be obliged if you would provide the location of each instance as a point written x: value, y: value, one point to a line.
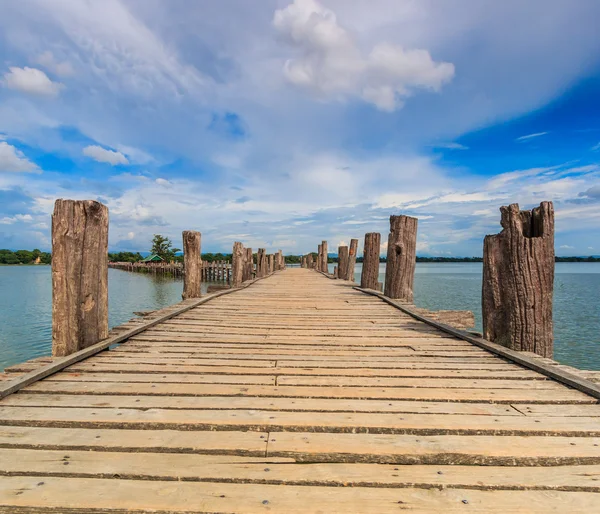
x: 167, y: 496
x: 267, y: 421
x: 562, y: 376
x: 435, y: 449
x: 274, y: 470
x: 274, y: 403
x: 511, y: 396
x: 163, y: 378
x: 175, y: 441
x: 141, y: 366
x: 418, y: 383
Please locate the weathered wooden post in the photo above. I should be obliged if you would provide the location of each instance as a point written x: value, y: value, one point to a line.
x: 238, y: 263
x: 401, y: 258
x: 271, y: 263
x: 319, y: 259
x: 518, y: 280
x: 342, y: 268
x: 248, y: 264
x: 261, y: 262
x: 352, y: 259
x: 192, y: 264
x: 369, y: 277
x: 309, y: 261
x: 324, y: 257
x: 79, y: 275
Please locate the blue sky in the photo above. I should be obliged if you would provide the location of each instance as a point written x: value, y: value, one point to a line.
x: 281, y: 123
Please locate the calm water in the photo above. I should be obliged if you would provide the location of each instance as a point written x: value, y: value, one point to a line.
x: 576, y: 302
x: 26, y: 308
x: 25, y: 304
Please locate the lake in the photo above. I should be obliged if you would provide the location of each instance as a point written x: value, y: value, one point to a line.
x: 25, y: 304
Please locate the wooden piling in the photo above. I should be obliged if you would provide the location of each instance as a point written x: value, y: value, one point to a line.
x: 518, y: 280
x: 324, y: 257
x: 270, y: 263
x: 401, y: 258
x: 352, y: 259
x: 248, y: 264
x: 237, y: 264
x: 79, y: 275
x: 309, y: 261
x: 342, y: 269
x: 369, y: 277
x: 261, y: 263
x: 192, y: 263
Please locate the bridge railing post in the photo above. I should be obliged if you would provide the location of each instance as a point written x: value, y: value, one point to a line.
x: 324, y: 257
x: 79, y: 275
x: 342, y: 268
x: 352, y: 259
x: 237, y: 264
x: 518, y: 280
x: 192, y: 263
x: 369, y: 277
x: 401, y: 258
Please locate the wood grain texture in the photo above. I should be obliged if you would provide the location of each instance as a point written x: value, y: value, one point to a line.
x: 401, y: 258
x: 518, y: 280
x: 369, y: 277
x: 79, y: 275
x: 343, y: 259
x: 192, y: 262
x: 279, y: 396
x: 237, y: 264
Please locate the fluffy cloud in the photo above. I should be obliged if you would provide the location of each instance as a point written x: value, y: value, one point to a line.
x: 103, y: 155
x: 31, y: 81
x: 12, y: 159
x: 6, y: 220
x: 332, y: 65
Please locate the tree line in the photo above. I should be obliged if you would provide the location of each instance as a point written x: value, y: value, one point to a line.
x: 25, y: 257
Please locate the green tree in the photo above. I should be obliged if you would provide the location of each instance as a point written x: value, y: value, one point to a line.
x: 162, y: 246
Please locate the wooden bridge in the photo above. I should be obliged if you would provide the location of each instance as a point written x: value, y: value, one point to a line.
x: 296, y: 394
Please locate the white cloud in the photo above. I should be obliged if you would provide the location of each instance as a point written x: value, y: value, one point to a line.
x: 103, y: 155
x: 163, y: 182
x: 12, y: 159
x: 332, y: 65
x: 25, y: 218
x: 31, y: 81
x: 566, y: 247
x: 47, y: 60
x: 531, y: 136
x: 595, y: 148
x: 451, y: 146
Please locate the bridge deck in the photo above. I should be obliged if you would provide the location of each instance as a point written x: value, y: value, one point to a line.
x: 298, y: 394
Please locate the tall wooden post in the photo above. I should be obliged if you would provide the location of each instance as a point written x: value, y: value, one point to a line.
x: 237, y: 264
x: 401, y: 258
x: 324, y: 257
x: 192, y: 264
x: 342, y: 268
x: 261, y: 262
x: 369, y: 277
x: 309, y: 261
x: 319, y: 258
x: 352, y: 259
x: 248, y: 264
x: 270, y: 263
x: 518, y: 280
x: 79, y: 275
